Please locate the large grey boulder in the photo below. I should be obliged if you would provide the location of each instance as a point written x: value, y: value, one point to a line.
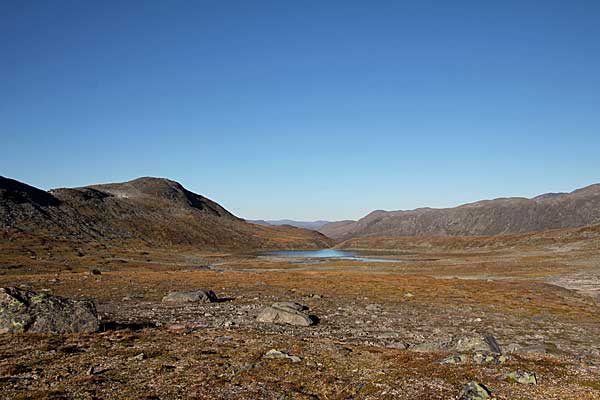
x: 193, y: 296
x: 286, y: 313
x: 26, y: 311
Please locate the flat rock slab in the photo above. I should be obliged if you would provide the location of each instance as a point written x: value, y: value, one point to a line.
x: 26, y: 311
x: 282, y: 355
x: 286, y: 313
x: 476, y: 343
x: 193, y: 296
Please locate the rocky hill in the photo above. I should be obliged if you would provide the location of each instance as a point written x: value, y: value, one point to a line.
x: 152, y: 210
x: 483, y: 218
x: 583, y: 238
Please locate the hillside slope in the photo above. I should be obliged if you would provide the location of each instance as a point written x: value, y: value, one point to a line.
x: 483, y: 218
x: 152, y: 210
x: 584, y: 238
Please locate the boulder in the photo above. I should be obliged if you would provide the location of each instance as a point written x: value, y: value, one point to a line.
x: 523, y: 377
x: 485, y: 343
x: 192, y: 296
x: 474, y: 391
x: 286, y: 313
x: 27, y: 311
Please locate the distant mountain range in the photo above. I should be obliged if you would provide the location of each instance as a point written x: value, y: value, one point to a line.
x: 154, y: 211
x: 312, y: 225
x: 483, y: 218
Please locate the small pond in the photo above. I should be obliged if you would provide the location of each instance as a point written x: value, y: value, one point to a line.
x: 326, y: 253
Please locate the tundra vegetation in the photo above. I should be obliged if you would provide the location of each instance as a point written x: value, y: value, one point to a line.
x: 131, y: 316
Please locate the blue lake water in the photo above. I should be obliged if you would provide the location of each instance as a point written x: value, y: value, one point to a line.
x: 326, y: 253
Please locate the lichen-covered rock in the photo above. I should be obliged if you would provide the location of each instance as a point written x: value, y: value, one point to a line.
x: 286, y: 313
x: 485, y: 343
x: 496, y: 358
x: 474, y: 391
x: 280, y: 354
x: 26, y: 311
x: 193, y: 296
x: 453, y: 359
x: 523, y: 377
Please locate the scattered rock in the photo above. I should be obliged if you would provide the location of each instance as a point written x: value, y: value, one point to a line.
x: 523, y: 377
x: 543, y: 348
x: 223, y: 339
x: 286, y: 313
x: 512, y: 348
x: 387, y: 335
x: 480, y: 358
x: 179, y: 328
x: 461, y: 344
x: 486, y: 343
x: 193, y: 296
x: 474, y: 391
x: 428, y: 347
x: 453, y: 359
x: 94, y: 271
x: 280, y: 354
x: 397, y: 345
x: 27, y: 311
x: 96, y: 370
x: 138, y: 357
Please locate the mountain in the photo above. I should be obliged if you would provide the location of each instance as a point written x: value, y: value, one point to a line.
x: 583, y: 238
x: 156, y: 211
x: 483, y: 218
x: 312, y: 225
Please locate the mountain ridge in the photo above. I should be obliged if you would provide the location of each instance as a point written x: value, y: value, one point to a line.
x: 505, y: 215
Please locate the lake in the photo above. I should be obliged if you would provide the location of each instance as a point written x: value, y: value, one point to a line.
x: 326, y: 253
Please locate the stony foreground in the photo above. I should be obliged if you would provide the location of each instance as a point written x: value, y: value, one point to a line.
x: 275, y: 330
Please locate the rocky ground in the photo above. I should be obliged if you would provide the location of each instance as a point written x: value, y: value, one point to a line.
x: 418, y: 329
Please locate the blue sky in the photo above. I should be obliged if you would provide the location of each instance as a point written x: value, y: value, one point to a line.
x: 307, y: 109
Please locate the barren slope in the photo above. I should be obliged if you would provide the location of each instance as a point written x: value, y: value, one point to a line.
x: 488, y: 217
x: 152, y: 210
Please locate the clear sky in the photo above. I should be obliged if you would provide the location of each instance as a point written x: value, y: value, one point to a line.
x: 304, y: 109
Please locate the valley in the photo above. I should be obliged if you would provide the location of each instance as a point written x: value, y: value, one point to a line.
x: 414, y: 326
